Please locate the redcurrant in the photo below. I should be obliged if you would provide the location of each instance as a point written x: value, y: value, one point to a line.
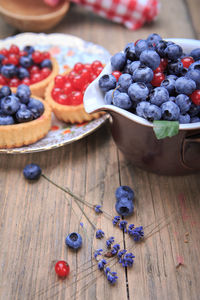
x: 3, y: 80
x: 13, y: 59
x: 37, y: 57
x: 117, y: 74
x: 14, y: 49
x: 62, y: 268
x: 26, y: 81
x: 195, y: 96
x: 14, y: 82
x: 45, y: 72
x: 59, y: 81
x: 96, y: 64
x: 187, y: 61
x: 36, y: 77
x: 78, y: 67
x: 157, y: 79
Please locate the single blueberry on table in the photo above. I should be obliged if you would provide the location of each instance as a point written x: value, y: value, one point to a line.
x: 143, y: 74
x: 118, y: 61
x: 195, y: 53
x: 108, y: 98
x: 9, y: 70
x: 170, y: 111
x: 173, y: 51
x: 150, y: 58
x: 184, y: 119
x: 140, y: 46
x: 6, y: 119
x: 5, y: 91
x: 124, y: 207
x: 124, y: 191
x: 138, y: 91
x: 10, y: 104
x: 32, y: 171
x: 183, y: 102
x: 184, y: 85
x: 122, y: 100
x: 152, y: 112
x: 107, y: 82
x: 23, y: 115
x: 159, y: 95
x: 124, y: 82
x: 74, y: 240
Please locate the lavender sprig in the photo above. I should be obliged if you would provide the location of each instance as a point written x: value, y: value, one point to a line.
x: 115, y: 249
x: 137, y: 233
x: 99, y: 234
x: 115, y: 220
x: 110, y: 241
x: 111, y: 276
x: 122, y: 225
x: 97, y: 209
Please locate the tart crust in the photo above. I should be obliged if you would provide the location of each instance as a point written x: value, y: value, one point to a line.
x: 38, y: 88
x: 23, y: 134
x: 69, y: 113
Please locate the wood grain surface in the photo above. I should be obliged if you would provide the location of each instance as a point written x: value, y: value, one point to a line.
x: 36, y: 217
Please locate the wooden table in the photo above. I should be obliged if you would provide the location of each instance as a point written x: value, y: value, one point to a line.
x: 36, y: 217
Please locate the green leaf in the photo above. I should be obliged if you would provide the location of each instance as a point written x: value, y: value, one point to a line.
x: 163, y: 129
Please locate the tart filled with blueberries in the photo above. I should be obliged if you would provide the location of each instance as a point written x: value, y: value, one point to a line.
x: 27, y: 66
x: 155, y: 80
x: 24, y: 119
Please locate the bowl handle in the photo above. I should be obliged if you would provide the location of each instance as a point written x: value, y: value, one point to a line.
x: 191, y: 152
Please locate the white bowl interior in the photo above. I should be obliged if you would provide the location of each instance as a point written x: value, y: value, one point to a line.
x: 94, y: 98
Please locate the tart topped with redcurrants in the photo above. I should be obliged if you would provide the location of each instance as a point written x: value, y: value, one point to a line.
x: 65, y: 93
x: 27, y: 66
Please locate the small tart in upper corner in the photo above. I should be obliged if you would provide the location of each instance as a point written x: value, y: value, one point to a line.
x: 23, y: 134
x: 69, y: 113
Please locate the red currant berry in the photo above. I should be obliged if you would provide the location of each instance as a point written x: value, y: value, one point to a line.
x: 62, y: 268
x: 157, y: 79
x: 78, y: 67
x: 55, y: 93
x: 46, y: 55
x: 159, y: 69
x: 163, y: 63
x: 14, y: 49
x: 77, y: 82
x: 14, y: 82
x: 76, y: 98
x: 13, y: 59
x: 23, y: 53
x: 37, y: 57
x: 45, y: 72
x: 36, y: 77
x: 62, y: 99
x: 5, y: 61
x: 4, y: 51
x: 59, y: 81
x: 67, y: 88
x: 98, y: 71
x: 117, y: 74
x: 96, y: 64
x: 34, y: 69
x: 187, y: 61
x: 88, y: 67
x: 26, y: 81
x: 3, y: 80
x: 195, y: 96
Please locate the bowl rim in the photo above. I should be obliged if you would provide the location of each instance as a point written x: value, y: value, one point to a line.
x: 139, y: 120
x: 61, y: 9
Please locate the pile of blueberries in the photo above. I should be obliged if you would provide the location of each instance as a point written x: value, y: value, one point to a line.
x: 18, y: 107
x: 155, y: 80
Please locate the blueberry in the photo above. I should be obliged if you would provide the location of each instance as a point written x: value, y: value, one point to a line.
x: 26, y: 61
x: 183, y: 102
x: 46, y: 63
x: 118, y: 61
x: 130, y: 51
x: 195, y: 66
x: 108, y: 98
x: 175, y: 67
x: 172, y: 76
x: 150, y: 58
x: 159, y: 95
x: 122, y: 100
x: 140, y: 46
x: 10, y: 104
x: 152, y: 112
x: 138, y: 91
x: 143, y: 74
x: 124, y: 82
x: 141, y: 107
x: 184, y: 85
x: 1, y: 57
x: 170, y: 111
x: 74, y: 240
x: 153, y: 39
x: 22, y: 73
x: 173, y: 51
x: 29, y: 49
x: 22, y: 106
x: 160, y: 48
x: 6, y: 120
x: 124, y: 207
x: 194, y: 110
x: 195, y: 53
x: 133, y: 66
x: 127, y: 67
x: 5, y: 91
x: 32, y: 171
x: 23, y: 93
x: 169, y: 84
x: 184, y: 119
x: 194, y: 120
x: 194, y: 75
x: 36, y: 107
x: 23, y: 115
x: 107, y: 82
x: 124, y: 191
x: 8, y: 70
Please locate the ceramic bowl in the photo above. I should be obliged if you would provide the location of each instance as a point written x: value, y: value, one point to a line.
x: 135, y: 137
x: 32, y: 15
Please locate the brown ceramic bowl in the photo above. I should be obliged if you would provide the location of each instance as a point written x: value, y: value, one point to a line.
x: 32, y: 15
x: 135, y: 137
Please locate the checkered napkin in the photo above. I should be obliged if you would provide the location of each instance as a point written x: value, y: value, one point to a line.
x: 132, y: 13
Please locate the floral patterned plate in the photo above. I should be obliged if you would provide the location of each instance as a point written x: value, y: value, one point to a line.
x: 68, y: 50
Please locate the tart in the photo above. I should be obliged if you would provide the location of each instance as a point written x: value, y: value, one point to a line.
x: 28, y: 131
x: 65, y: 93
x: 27, y: 66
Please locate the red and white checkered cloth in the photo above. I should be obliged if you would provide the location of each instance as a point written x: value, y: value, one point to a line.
x: 132, y: 13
